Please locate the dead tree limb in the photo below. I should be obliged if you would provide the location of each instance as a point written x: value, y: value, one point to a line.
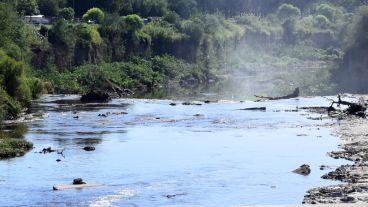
x: 353, y: 108
x: 295, y: 94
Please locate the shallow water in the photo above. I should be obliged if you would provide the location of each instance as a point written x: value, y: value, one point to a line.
x: 149, y: 153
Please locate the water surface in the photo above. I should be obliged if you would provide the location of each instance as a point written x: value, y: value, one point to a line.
x: 149, y: 153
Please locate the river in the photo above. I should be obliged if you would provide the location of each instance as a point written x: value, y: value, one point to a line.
x: 150, y: 153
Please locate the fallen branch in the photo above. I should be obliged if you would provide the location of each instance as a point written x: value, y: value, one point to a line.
x: 254, y: 109
x: 353, y: 108
x: 295, y: 94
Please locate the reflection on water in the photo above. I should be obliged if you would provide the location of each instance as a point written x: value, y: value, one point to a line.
x: 150, y: 153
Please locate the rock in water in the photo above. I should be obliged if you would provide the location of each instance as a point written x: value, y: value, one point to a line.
x: 96, y: 96
x: 303, y: 170
x: 89, y: 148
x: 78, y: 181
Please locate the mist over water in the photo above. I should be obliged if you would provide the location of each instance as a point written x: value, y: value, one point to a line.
x: 243, y: 85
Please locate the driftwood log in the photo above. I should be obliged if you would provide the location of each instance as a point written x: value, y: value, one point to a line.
x: 295, y: 94
x: 353, y: 108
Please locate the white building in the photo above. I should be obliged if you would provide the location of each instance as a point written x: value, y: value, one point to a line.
x: 37, y: 19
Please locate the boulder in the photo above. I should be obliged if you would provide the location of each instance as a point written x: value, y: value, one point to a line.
x: 96, y: 96
x: 89, y: 148
x: 303, y: 170
x: 78, y: 181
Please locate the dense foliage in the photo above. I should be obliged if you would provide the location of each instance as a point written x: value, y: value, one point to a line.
x: 143, y: 44
x: 16, y: 88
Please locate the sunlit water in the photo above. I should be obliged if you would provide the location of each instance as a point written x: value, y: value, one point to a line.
x: 209, y: 155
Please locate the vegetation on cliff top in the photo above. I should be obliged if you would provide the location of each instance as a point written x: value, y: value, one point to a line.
x: 143, y: 44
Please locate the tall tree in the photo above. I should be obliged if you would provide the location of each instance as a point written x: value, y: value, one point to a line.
x: 27, y: 7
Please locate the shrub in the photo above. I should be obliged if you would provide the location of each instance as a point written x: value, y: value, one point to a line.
x: 94, y: 14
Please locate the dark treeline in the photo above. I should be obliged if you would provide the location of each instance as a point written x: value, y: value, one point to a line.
x: 187, y: 7
x: 143, y: 44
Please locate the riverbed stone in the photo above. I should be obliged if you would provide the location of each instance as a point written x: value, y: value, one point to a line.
x: 78, y: 181
x: 89, y: 148
x: 303, y: 170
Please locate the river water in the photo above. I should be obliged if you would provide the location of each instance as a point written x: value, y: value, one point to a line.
x: 149, y: 153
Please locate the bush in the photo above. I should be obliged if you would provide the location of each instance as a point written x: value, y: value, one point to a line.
x: 94, y: 14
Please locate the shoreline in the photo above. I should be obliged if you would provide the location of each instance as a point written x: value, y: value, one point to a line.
x: 353, y: 132
x: 311, y: 205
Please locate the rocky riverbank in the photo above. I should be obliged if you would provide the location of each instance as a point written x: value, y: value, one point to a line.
x: 353, y: 131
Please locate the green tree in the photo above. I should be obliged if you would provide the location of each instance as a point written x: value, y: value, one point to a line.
x: 67, y: 13
x: 27, y: 7
x: 50, y: 7
x: 353, y: 74
x: 155, y: 8
x: 358, y: 31
x: 63, y: 37
x: 321, y: 22
x: 94, y: 14
x: 194, y: 28
x: 289, y: 31
x: 327, y: 10
x: 137, y: 42
x: 13, y: 36
x: 112, y: 29
x: 184, y: 8
x: 88, y: 45
x: 13, y: 80
x: 287, y: 11
x: 133, y: 22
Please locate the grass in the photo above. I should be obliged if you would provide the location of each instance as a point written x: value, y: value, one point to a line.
x: 10, y: 147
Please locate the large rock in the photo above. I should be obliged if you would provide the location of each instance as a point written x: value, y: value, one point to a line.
x: 303, y: 170
x: 96, y: 96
